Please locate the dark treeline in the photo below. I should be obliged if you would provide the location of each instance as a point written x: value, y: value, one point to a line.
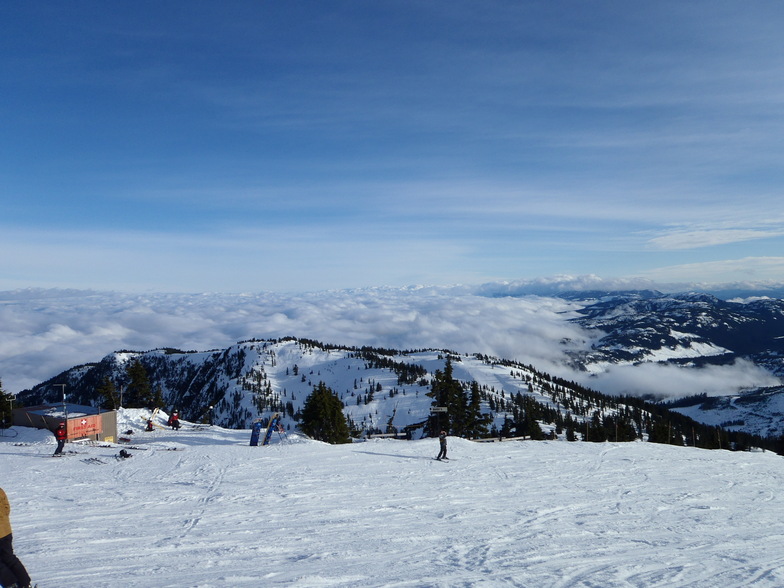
x: 612, y: 418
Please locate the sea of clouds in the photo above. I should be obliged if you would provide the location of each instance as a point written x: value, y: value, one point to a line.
x: 48, y: 331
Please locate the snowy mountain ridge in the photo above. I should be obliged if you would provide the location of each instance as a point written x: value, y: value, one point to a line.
x: 252, y: 378
x: 383, y: 392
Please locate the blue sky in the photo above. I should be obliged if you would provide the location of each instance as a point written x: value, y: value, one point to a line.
x: 300, y: 146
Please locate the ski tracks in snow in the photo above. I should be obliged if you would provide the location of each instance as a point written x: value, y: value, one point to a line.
x: 207, y: 477
x: 384, y: 514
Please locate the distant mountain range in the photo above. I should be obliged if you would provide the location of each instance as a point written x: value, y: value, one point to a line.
x: 387, y: 389
x: 696, y: 329
x: 692, y: 330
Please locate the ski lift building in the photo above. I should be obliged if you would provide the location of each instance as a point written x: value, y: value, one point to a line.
x: 81, y: 422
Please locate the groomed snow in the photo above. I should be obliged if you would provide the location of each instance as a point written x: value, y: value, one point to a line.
x: 218, y: 512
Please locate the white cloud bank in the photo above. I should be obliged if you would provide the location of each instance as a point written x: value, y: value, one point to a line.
x: 664, y: 380
x: 47, y: 331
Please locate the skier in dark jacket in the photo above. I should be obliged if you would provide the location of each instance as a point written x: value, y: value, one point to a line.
x: 61, y: 435
x: 442, y: 442
x: 12, y: 572
x: 174, y: 420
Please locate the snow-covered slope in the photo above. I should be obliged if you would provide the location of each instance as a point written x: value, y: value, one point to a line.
x: 383, y: 391
x: 218, y: 512
x: 761, y: 411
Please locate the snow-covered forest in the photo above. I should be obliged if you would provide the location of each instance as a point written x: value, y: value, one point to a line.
x: 383, y: 391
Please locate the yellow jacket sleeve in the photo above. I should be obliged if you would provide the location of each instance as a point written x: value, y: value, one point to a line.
x: 5, y: 515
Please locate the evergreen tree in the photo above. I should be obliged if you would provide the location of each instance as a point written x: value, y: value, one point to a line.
x: 532, y: 429
x: 6, y: 405
x: 660, y: 432
x: 506, y: 429
x: 529, y: 413
x: 323, y: 418
x: 157, y: 399
x: 595, y: 432
x: 448, y: 393
x: 463, y: 417
x: 619, y: 428
x: 476, y: 422
x: 107, y: 394
x: 138, y: 393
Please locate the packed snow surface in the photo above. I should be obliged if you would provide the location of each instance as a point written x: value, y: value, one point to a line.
x: 202, y: 508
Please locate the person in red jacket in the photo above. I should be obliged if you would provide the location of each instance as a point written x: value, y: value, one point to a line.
x: 174, y: 421
x: 60, y: 434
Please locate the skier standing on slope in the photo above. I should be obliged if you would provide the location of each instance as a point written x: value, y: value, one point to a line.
x: 60, y: 434
x: 12, y: 573
x: 442, y: 442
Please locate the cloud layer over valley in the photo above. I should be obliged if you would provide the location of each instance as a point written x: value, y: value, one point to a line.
x: 48, y: 331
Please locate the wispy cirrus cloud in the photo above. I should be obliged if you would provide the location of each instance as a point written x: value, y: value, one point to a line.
x: 752, y: 269
x: 357, y: 144
x: 691, y: 239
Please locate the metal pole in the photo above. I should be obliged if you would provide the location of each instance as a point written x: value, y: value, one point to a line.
x: 65, y: 410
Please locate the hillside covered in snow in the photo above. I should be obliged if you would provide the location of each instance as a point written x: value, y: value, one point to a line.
x: 383, y: 391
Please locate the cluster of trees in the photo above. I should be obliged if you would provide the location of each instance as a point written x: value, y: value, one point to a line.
x: 614, y: 418
x: 526, y: 415
x: 137, y: 393
x: 463, y: 416
x: 322, y: 416
x: 407, y: 373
